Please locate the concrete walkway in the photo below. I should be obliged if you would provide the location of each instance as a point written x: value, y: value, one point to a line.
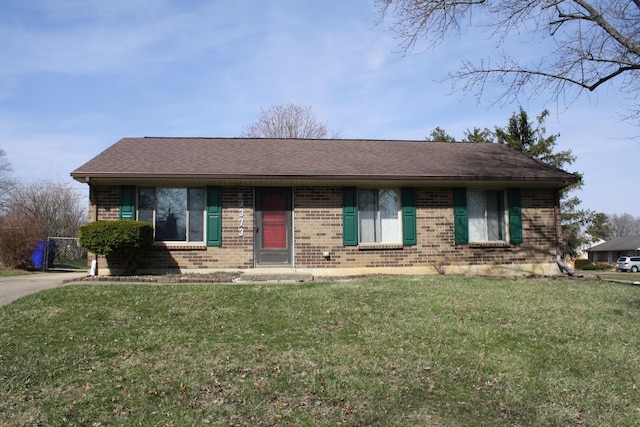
x: 14, y: 287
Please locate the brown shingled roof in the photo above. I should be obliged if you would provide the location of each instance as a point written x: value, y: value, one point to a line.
x: 308, y: 159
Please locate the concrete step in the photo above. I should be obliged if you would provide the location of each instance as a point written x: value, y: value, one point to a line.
x: 276, y: 275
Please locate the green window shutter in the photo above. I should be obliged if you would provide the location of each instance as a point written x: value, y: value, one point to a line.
x: 128, y: 203
x: 409, y: 225
x: 350, y: 216
x: 460, y: 219
x: 214, y: 216
x: 515, y: 216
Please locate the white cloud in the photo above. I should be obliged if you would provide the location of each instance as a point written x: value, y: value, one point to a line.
x: 73, y: 38
x: 79, y: 74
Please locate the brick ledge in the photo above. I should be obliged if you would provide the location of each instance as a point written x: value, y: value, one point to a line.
x: 179, y: 246
x: 379, y: 246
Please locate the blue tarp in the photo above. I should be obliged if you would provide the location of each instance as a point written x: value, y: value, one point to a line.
x: 42, y: 250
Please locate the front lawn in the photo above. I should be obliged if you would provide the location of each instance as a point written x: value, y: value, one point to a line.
x: 419, y: 351
x: 5, y: 272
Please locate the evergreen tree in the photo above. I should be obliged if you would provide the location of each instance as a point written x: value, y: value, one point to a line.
x: 521, y: 135
x: 600, y: 227
x: 440, y: 135
x: 478, y: 135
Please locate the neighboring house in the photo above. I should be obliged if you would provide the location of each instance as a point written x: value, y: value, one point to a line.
x: 332, y: 206
x: 609, y: 251
x: 583, y: 250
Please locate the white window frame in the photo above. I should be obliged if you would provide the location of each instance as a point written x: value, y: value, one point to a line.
x: 378, y: 221
x: 479, y: 221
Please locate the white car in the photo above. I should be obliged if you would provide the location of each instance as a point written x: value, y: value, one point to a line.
x: 628, y: 263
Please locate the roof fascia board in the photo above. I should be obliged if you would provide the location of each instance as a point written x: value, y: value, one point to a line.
x: 195, y: 180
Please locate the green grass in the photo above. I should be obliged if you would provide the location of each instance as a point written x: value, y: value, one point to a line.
x: 5, y: 272
x: 419, y: 351
x: 69, y: 264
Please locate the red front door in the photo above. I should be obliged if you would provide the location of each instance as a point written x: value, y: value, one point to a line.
x: 273, y: 237
x: 274, y: 221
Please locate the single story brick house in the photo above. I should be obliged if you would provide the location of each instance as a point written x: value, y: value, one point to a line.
x: 608, y: 252
x: 331, y: 206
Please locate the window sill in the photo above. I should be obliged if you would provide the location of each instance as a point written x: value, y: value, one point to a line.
x: 379, y: 246
x: 500, y: 244
x: 180, y: 246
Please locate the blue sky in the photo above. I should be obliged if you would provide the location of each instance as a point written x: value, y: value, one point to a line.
x: 78, y: 75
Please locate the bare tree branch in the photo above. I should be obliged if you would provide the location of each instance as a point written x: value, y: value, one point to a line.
x: 584, y: 43
x: 55, y: 207
x: 477, y: 74
x: 599, y: 20
x: 6, y: 181
x: 288, y: 121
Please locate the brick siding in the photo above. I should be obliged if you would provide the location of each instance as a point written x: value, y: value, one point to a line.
x: 318, y: 229
x: 317, y: 221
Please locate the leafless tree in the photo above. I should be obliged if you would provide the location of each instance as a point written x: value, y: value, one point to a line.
x: 584, y: 44
x: 18, y: 236
x: 6, y: 181
x: 57, y: 208
x: 623, y: 225
x: 288, y: 121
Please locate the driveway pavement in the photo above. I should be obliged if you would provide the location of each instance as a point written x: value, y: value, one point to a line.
x: 14, y: 287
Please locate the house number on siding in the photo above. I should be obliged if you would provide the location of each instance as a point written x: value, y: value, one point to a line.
x: 241, y: 218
